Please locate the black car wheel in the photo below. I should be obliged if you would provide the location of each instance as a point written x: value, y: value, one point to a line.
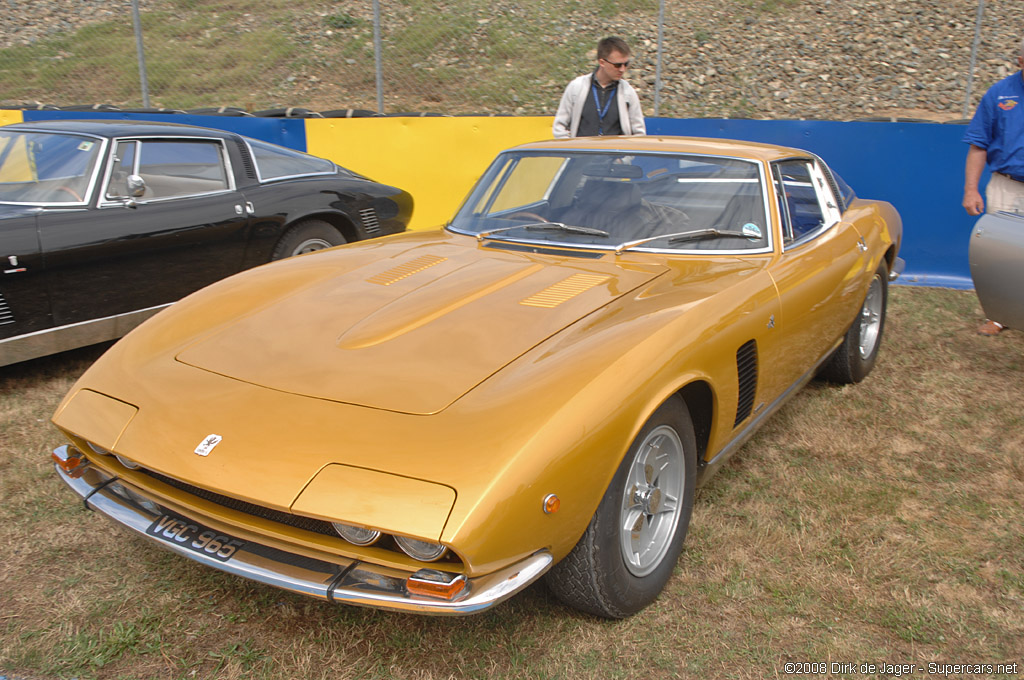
x: 855, y: 357
x: 631, y: 546
x: 306, y: 237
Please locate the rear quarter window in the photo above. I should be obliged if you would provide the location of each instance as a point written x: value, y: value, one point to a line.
x: 278, y: 162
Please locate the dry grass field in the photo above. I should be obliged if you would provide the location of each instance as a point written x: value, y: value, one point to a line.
x: 881, y: 523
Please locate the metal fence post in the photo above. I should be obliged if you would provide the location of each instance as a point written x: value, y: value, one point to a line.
x: 141, y: 53
x: 657, y: 68
x: 377, y: 56
x: 974, y: 56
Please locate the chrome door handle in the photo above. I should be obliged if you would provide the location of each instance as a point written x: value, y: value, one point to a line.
x: 13, y: 261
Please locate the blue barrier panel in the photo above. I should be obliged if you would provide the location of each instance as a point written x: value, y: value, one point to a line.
x: 918, y: 167
x: 290, y: 132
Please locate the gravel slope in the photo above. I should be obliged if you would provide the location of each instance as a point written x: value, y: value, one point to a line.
x: 834, y: 59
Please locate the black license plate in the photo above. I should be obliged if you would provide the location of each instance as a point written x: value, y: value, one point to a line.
x: 195, y: 537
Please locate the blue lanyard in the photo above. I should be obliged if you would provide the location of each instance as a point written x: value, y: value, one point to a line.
x: 597, y: 104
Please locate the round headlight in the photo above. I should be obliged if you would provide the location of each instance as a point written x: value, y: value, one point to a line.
x: 130, y: 464
x: 356, y: 535
x: 98, y: 449
x: 421, y: 550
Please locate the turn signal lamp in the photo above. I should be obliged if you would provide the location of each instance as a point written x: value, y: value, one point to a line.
x: 551, y: 504
x: 70, y: 460
x: 434, y: 583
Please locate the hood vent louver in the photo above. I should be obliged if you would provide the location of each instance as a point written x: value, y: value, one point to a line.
x: 564, y: 290
x: 404, y: 271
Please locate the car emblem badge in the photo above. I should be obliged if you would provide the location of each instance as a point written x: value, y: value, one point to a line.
x: 207, y: 444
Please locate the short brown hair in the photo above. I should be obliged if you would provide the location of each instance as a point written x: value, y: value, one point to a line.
x: 611, y: 44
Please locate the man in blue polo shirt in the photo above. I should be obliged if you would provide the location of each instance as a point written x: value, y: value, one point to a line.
x: 996, y: 138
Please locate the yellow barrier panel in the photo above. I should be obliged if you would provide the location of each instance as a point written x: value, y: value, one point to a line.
x: 10, y: 117
x: 434, y: 159
x: 17, y: 161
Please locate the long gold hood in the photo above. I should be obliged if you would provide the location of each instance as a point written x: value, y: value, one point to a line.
x: 415, y: 330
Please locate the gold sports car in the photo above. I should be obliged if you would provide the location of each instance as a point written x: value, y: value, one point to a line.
x: 430, y: 421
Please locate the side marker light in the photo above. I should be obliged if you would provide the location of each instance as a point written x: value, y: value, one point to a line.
x: 70, y: 460
x: 551, y: 504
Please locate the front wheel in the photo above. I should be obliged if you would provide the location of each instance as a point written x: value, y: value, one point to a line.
x: 855, y: 357
x: 306, y: 237
x: 629, y: 549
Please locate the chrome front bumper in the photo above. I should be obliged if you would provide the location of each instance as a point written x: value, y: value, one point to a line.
x: 341, y: 579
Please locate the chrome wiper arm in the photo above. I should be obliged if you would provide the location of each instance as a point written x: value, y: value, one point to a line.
x: 542, y: 226
x: 487, y: 234
x: 692, y: 235
x: 572, y: 228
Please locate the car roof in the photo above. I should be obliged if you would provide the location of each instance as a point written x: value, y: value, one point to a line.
x: 119, y: 128
x: 665, y: 144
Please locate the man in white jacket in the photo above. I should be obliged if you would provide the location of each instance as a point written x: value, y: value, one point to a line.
x: 602, y: 102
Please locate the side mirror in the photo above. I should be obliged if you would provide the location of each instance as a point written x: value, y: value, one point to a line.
x: 136, y: 186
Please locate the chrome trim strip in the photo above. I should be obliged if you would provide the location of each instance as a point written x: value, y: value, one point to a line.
x: 333, y: 578
x: 62, y: 338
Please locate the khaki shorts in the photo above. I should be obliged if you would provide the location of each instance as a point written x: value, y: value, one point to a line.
x: 1004, y: 195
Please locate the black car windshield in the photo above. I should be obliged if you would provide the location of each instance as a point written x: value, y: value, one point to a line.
x: 46, y: 168
x: 608, y: 200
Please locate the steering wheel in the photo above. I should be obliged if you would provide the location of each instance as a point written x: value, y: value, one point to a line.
x: 70, y: 191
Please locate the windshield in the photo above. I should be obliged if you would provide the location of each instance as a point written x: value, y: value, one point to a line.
x: 615, y: 201
x: 44, y: 168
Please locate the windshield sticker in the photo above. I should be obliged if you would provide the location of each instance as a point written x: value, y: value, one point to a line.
x: 86, y: 146
x: 751, y: 230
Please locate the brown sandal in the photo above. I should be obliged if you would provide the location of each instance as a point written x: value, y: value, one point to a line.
x: 990, y: 328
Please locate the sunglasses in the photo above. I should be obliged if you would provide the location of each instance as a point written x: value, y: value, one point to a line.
x: 617, y: 64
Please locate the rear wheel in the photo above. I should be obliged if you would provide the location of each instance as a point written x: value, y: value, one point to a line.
x: 854, y: 359
x: 631, y: 546
x: 306, y: 237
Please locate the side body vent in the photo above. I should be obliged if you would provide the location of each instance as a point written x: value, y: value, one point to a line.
x: 746, y: 369
x: 247, y: 163
x: 370, y: 222
x: 6, y: 316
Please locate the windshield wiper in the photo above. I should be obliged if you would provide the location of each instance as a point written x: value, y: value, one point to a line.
x: 545, y: 226
x: 693, y: 235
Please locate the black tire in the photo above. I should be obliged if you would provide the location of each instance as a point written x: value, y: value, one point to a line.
x: 855, y: 357
x: 305, y: 237
x: 598, y: 576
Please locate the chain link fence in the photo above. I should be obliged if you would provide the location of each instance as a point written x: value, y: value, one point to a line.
x: 837, y: 59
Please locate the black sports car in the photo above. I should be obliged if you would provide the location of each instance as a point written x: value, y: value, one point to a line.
x: 103, y: 223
